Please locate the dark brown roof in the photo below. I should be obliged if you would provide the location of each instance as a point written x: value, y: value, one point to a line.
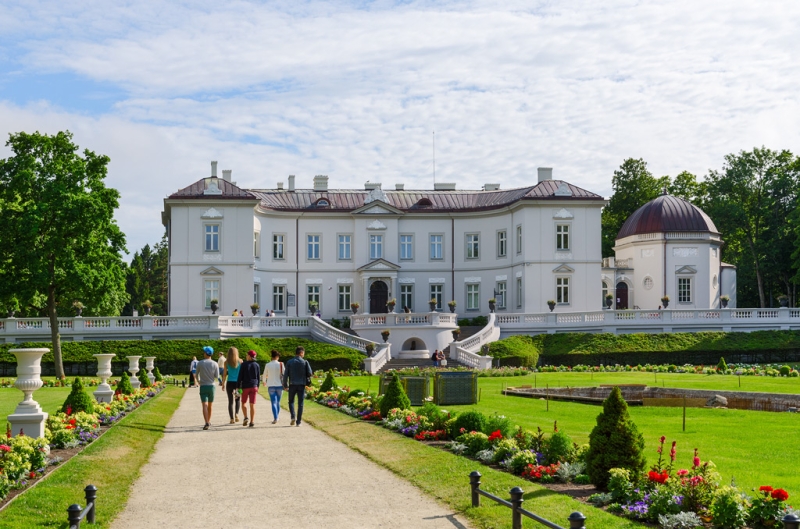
x: 229, y: 190
x: 667, y: 214
x: 408, y: 200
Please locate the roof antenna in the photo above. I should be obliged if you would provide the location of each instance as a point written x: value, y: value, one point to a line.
x: 434, y: 158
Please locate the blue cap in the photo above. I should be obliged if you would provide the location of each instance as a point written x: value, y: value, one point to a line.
x: 208, y: 350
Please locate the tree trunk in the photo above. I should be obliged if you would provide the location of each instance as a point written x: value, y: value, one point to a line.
x: 55, y: 335
x: 757, y: 267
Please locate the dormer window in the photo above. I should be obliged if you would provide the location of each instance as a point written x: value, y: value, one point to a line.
x: 424, y: 202
x: 322, y: 203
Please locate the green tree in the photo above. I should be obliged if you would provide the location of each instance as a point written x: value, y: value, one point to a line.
x: 633, y: 186
x: 60, y: 241
x: 686, y: 186
x: 615, y: 442
x: 146, y: 279
x: 395, y: 397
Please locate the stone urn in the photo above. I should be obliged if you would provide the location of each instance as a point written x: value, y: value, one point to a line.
x: 149, y: 367
x: 104, y: 392
x: 214, y: 307
x: 28, y: 417
x: 724, y: 303
x: 665, y: 302
x: 133, y: 369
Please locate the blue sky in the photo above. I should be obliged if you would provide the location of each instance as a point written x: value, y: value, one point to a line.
x: 354, y: 89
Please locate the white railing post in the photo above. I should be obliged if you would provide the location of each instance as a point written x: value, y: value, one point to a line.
x: 147, y: 323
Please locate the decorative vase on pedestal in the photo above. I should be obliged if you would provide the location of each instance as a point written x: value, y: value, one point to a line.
x: 133, y: 368
x: 149, y: 367
x: 28, y: 418
x: 104, y: 392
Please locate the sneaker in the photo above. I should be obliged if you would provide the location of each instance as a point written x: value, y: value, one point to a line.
x: 237, y: 418
x: 298, y: 423
x: 232, y: 421
x: 246, y: 420
x: 275, y: 421
x: 206, y: 426
x: 252, y: 424
x: 292, y: 423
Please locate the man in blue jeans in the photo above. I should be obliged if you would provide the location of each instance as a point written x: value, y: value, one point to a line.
x: 295, y: 379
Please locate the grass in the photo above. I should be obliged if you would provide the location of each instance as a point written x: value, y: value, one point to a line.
x: 111, y: 463
x: 445, y: 476
x: 754, y: 448
x: 50, y: 399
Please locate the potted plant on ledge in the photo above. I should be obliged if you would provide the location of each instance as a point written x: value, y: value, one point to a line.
x: 390, y: 304
x: 354, y: 307
x: 665, y: 301
x: 254, y: 307
x: 552, y: 304
x: 609, y: 300
x: 385, y: 335
x: 492, y: 304
x: 783, y: 299
x: 723, y: 300
x: 148, y: 306
x: 370, y: 348
x: 452, y: 305
x: 78, y: 306
x: 214, y: 304
x: 13, y: 306
x: 312, y: 307
x: 456, y: 333
x: 433, y: 303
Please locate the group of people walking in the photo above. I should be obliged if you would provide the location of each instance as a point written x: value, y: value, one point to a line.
x: 241, y: 379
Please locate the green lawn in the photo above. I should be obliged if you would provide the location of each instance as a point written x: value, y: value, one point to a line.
x: 754, y: 448
x: 50, y: 399
x: 111, y: 463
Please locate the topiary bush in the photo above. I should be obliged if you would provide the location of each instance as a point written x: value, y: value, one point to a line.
x: 124, y: 386
x: 469, y: 421
x: 144, y: 381
x: 615, y: 442
x: 395, y: 397
x: 785, y: 370
x: 329, y: 383
x: 78, y: 399
x: 722, y: 366
x: 157, y: 375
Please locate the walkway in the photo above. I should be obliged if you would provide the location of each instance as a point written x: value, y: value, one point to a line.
x: 268, y: 476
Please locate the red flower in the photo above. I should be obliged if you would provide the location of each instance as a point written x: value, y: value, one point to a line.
x: 765, y: 488
x: 780, y: 495
x: 657, y: 477
x: 495, y: 436
x: 32, y: 475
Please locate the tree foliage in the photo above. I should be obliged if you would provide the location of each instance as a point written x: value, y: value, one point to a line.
x: 60, y: 241
x: 146, y: 279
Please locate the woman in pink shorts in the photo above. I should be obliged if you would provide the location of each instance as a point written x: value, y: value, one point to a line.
x: 249, y: 380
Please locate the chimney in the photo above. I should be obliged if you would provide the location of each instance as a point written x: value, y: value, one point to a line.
x: 280, y: 186
x: 444, y: 186
x: 369, y: 186
x: 226, y: 175
x: 213, y: 169
x: 320, y: 183
x: 399, y: 187
x: 291, y: 182
x: 545, y: 173
x: 491, y: 187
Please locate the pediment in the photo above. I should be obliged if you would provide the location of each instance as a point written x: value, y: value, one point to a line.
x: 563, y: 213
x: 376, y: 225
x: 212, y: 271
x: 563, y: 269
x: 379, y: 264
x: 211, y: 213
x: 686, y: 270
x: 563, y: 190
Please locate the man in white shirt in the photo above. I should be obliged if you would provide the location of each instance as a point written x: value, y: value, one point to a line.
x: 221, y: 364
x: 207, y: 374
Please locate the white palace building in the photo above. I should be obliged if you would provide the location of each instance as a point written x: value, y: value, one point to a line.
x: 285, y: 247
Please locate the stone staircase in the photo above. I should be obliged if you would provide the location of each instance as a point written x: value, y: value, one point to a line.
x: 401, y: 363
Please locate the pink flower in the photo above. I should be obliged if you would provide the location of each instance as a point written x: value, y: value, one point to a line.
x: 683, y: 472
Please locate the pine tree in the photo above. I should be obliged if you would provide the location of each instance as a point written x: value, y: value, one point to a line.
x: 124, y: 386
x: 144, y: 380
x: 78, y: 399
x: 615, y: 442
x: 157, y: 375
x: 395, y: 397
x: 329, y: 383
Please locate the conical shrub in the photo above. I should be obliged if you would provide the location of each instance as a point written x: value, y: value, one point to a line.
x: 124, y: 385
x: 615, y: 442
x: 157, y: 375
x: 144, y: 380
x: 78, y: 399
x: 329, y: 383
x: 395, y: 397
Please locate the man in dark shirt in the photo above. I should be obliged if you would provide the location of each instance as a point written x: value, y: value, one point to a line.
x: 249, y: 380
x: 296, y: 377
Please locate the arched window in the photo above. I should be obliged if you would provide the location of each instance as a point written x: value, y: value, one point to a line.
x: 424, y: 202
x: 322, y: 203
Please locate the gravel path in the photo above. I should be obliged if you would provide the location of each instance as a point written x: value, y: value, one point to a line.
x: 268, y: 476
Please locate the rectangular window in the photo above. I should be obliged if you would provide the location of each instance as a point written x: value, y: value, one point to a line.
x: 519, y: 292
x: 312, y: 295
x: 501, y: 294
x: 277, y: 247
x: 212, y: 237
x: 376, y: 246
x: 345, y: 247
x: 279, y: 298
x: 436, y: 293
x: 436, y: 247
x: 407, y: 297
x: 562, y: 237
x: 473, y: 296
x: 345, y: 295
x: 684, y: 290
x: 519, y: 239
x: 562, y: 290
x: 256, y: 293
x: 473, y: 241
x: 502, y: 243
x: 211, y: 291
x: 313, y: 247
x: 256, y: 244
x: 406, y: 247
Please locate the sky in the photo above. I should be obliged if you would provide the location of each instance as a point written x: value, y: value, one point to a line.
x: 358, y: 90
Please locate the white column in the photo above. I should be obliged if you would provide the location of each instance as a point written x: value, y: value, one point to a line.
x: 394, y: 293
x: 365, y: 304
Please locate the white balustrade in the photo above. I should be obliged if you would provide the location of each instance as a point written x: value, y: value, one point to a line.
x: 469, y: 358
x: 374, y: 363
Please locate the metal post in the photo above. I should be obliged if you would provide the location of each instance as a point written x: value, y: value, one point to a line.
x: 576, y: 520
x: 74, y: 515
x: 91, y: 498
x: 516, y: 505
x: 474, y: 484
x: 791, y: 521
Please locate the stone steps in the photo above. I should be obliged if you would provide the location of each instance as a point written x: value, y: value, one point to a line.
x: 401, y: 363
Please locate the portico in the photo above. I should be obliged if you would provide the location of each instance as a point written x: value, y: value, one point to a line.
x: 379, y: 282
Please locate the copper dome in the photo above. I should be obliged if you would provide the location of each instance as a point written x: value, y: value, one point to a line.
x: 667, y: 214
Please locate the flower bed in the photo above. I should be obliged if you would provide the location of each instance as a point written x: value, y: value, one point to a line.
x: 23, y: 459
x: 770, y: 370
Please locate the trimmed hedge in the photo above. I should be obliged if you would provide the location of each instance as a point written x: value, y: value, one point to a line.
x: 632, y: 349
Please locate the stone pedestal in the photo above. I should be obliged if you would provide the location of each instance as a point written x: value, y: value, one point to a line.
x: 104, y: 393
x: 133, y: 369
x: 28, y: 417
x: 149, y: 367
